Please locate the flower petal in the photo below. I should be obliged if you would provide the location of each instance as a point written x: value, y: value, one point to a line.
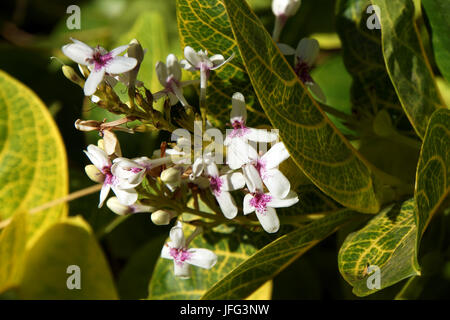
x: 290, y: 200
x: 307, y: 50
x: 261, y: 135
x: 98, y: 156
x: 182, y: 270
x: 239, y: 153
x: 103, y: 194
x: 269, y: 220
x: 177, y: 236
x: 252, y: 178
x: 192, y: 57
x: 233, y: 181
x: 165, y: 252
x: 211, y: 169
x: 118, y: 50
x: 315, y: 88
x: 78, y: 51
x: 202, y: 258
x: 277, y: 154
x: 197, y: 167
x: 94, y: 79
x: 277, y: 184
x: 126, y: 196
x: 285, y: 49
x: 217, y: 66
x: 187, y: 65
x: 161, y: 72
x: 121, y: 64
x: 227, y: 204
x: 173, y: 67
x: 248, y: 208
x: 239, y: 110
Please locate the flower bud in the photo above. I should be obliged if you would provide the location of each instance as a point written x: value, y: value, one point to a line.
x: 111, y: 143
x: 118, y: 208
x: 285, y: 8
x: 136, y: 51
x: 70, y: 74
x: 94, y: 174
x: 162, y: 217
x: 86, y: 125
x: 171, y: 177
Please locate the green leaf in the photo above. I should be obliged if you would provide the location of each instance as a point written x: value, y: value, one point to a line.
x: 437, y: 13
x: 66, y: 243
x: 33, y: 164
x: 33, y: 171
x: 273, y: 258
x: 335, y: 82
x: 371, y: 89
x: 204, y: 24
x: 387, y: 241
x: 316, y: 146
x: 232, y: 247
x: 433, y: 170
x: 406, y: 62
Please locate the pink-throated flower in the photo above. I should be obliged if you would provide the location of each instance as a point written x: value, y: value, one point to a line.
x: 262, y: 203
x: 236, y: 139
x: 304, y: 57
x: 200, y: 61
x: 177, y: 250
x: 221, y: 185
x: 99, y: 62
x: 123, y: 188
x: 169, y: 75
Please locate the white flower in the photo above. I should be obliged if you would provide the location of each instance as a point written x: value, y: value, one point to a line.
x: 220, y: 186
x: 267, y: 168
x: 99, y: 62
x: 264, y: 203
x: 177, y: 250
x: 237, y: 138
x: 101, y: 161
x: 200, y: 61
x: 169, y: 75
x: 304, y: 57
x: 129, y: 172
x: 285, y: 8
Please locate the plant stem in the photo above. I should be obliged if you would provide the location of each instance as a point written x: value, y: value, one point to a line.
x: 278, y: 27
x: 203, y: 106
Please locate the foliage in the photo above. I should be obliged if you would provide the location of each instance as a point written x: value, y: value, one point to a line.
x: 370, y: 165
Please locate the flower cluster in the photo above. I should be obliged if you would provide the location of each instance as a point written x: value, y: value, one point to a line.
x: 163, y: 183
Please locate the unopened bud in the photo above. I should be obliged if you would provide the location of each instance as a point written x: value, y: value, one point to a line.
x: 118, y: 208
x: 162, y: 217
x: 136, y: 51
x: 94, y: 174
x: 171, y: 176
x: 86, y: 125
x: 111, y: 143
x: 285, y: 8
x: 70, y: 74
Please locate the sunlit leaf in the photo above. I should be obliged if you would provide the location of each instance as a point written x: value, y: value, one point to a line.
x: 273, y: 258
x: 317, y: 147
x: 406, y: 62
x: 33, y: 167
x: 232, y: 247
x: 437, y: 12
x: 67, y: 243
x: 433, y: 170
x: 388, y: 242
x: 205, y: 25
